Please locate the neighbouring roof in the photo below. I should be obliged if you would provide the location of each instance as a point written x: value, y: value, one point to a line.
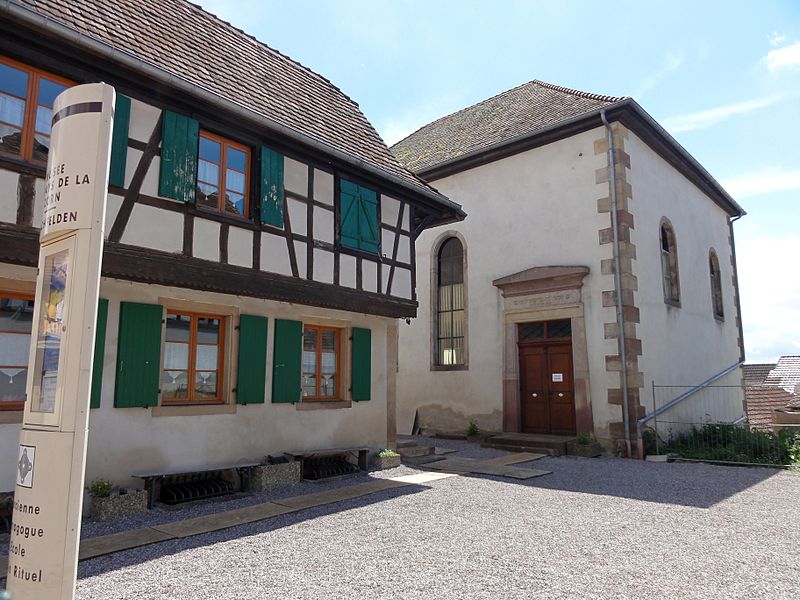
x: 763, y: 401
x: 756, y: 373
x: 785, y: 374
x: 522, y: 110
x: 193, y: 45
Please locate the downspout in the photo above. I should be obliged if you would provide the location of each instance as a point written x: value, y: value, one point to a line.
x: 618, y: 283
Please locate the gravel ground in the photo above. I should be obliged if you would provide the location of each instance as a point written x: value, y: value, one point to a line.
x: 594, y: 528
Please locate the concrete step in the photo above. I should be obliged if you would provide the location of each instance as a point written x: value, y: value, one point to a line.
x: 406, y: 443
x: 555, y: 445
x: 412, y: 451
x: 532, y: 449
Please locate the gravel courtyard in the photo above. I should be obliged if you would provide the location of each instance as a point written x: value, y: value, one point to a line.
x: 594, y: 528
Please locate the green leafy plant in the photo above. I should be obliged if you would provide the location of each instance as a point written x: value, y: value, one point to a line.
x: 385, y: 453
x: 101, y: 488
x: 732, y: 443
x: 583, y: 438
x: 472, y: 429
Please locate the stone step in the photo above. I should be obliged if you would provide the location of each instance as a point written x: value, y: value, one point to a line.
x: 532, y: 449
x: 411, y: 451
x: 406, y: 443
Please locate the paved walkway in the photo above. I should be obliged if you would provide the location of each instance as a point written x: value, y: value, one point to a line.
x: 134, y: 538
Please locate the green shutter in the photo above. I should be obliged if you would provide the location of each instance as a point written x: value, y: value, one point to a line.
x: 179, y: 141
x: 368, y: 220
x: 361, y: 364
x: 252, y: 370
x: 348, y: 214
x: 119, y: 141
x: 271, y: 187
x: 138, y: 355
x: 286, y: 361
x: 99, y: 350
x: 358, y: 217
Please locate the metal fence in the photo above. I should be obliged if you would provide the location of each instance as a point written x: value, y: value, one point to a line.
x: 711, y: 425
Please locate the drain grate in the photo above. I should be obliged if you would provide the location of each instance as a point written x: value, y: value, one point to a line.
x: 328, y: 466
x: 196, y: 486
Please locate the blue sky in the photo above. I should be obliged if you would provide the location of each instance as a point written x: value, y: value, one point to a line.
x: 722, y: 77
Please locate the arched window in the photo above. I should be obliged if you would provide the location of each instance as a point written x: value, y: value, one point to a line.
x: 450, y: 305
x: 669, y: 264
x: 716, y: 285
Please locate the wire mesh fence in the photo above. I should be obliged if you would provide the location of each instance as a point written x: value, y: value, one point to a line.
x: 711, y: 425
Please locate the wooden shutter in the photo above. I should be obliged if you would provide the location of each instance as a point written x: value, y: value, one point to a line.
x: 138, y: 355
x: 348, y: 214
x: 99, y: 350
x: 271, y: 187
x: 287, y: 360
x: 180, y: 137
x: 361, y: 356
x: 119, y: 141
x: 252, y: 372
x: 368, y: 220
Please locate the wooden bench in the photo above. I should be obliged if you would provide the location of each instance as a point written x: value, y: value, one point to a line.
x: 360, y: 454
x: 154, y: 479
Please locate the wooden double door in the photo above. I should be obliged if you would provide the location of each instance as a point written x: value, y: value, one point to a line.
x: 546, y: 387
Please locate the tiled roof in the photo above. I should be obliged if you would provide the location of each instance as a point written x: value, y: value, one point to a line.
x: 192, y: 44
x: 522, y: 110
x: 763, y: 401
x: 756, y: 373
x: 786, y: 373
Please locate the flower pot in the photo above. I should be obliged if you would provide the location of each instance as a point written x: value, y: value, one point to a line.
x: 386, y: 462
x: 121, y: 503
x: 589, y: 450
x: 267, y: 477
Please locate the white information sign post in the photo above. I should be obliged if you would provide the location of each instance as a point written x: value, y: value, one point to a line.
x: 48, y: 498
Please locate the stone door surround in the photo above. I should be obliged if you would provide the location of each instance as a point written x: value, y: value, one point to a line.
x: 543, y: 294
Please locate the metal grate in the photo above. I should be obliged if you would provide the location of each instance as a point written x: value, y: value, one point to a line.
x: 559, y: 329
x: 195, y: 486
x: 327, y: 466
x: 531, y: 331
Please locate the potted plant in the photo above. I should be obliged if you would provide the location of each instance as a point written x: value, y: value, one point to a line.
x: 111, y: 502
x: 386, y: 459
x: 274, y: 471
x: 584, y: 445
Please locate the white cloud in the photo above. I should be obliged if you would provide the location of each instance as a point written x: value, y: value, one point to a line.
x: 712, y: 116
x: 671, y: 63
x: 770, y: 296
x: 776, y: 39
x: 787, y: 57
x: 762, y: 182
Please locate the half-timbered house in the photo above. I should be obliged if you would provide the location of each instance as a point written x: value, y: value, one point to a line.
x: 259, y: 239
x: 598, y: 258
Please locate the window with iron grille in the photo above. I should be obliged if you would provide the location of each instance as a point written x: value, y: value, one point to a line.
x: 716, y: 285
x: 450, y: 311
x: 669, y: 265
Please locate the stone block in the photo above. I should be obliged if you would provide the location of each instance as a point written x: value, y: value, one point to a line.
x: 266, y: 477
x: 121, y: 503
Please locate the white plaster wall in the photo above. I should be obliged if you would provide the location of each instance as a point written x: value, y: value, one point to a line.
x: 537, y: 208
x: 298, y: 216
x: 240, y: 247
x: 323, y: 266
x: 126, y: 441
x: 323, y: 187
x: 143, y: 120
x: 369, y: 276
x: 295, y: 176
x: 206, y: 239
x: 347, y: 270
x: 151, y: 227
x: 274, y: 255
x: 8, y: 203
x: 682, y: 346
x: 323, y: 225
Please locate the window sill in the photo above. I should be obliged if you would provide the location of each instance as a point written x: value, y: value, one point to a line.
x: 192, y: 410
x: 11, y: 417
x: 323, y: 404
x: 719, y: 319
x: 464, y: 367
x: 20, y: 165
x: 675, y: 303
